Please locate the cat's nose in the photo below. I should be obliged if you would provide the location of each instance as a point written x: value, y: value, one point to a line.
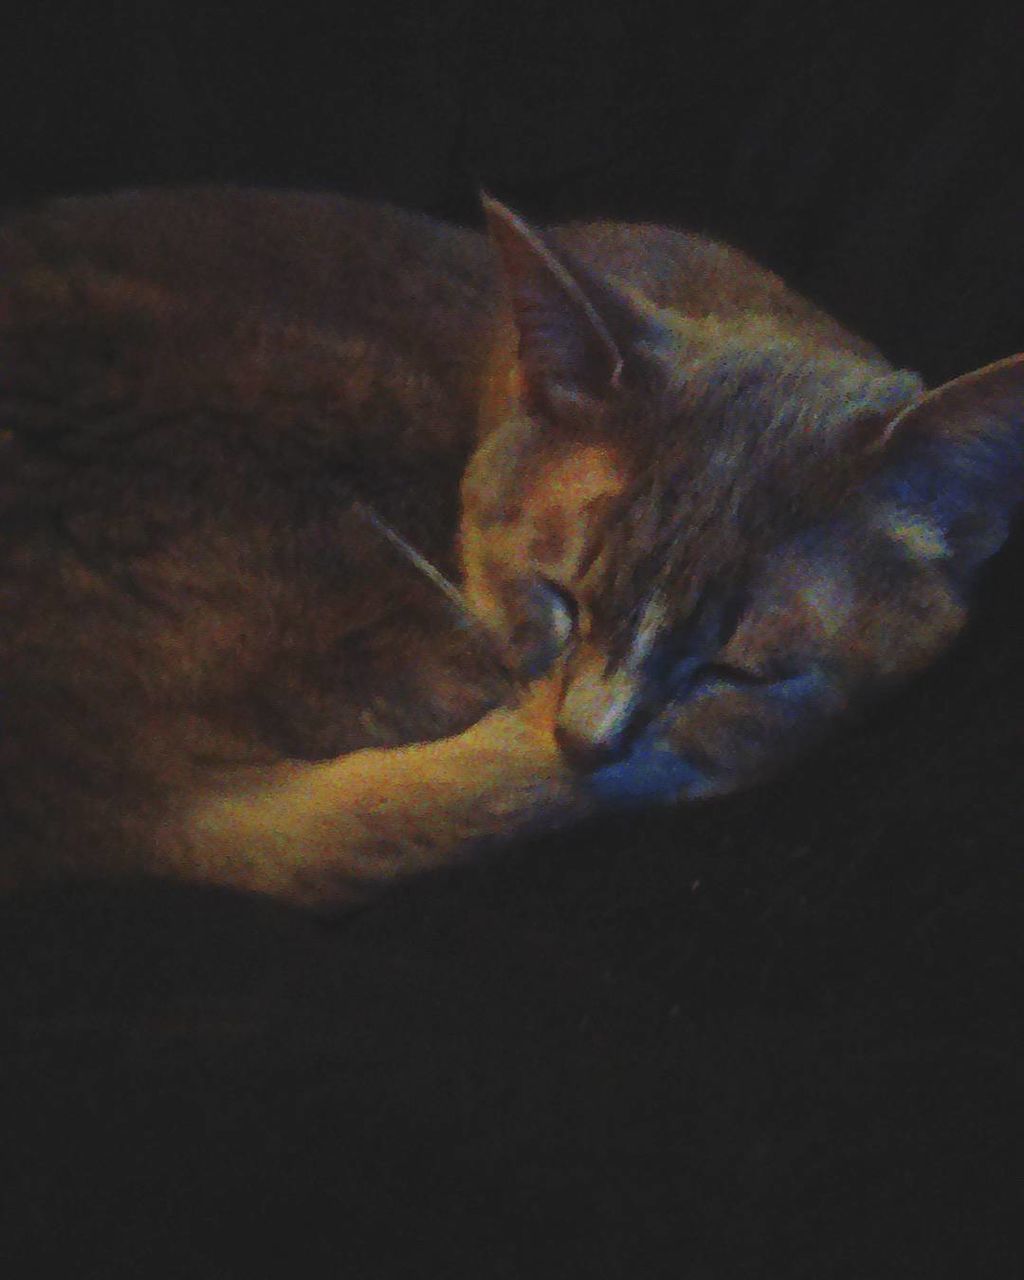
x: 587, y: 753
x: 598, y: 716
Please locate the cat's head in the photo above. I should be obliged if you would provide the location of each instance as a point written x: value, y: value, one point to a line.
x: 705, y: 539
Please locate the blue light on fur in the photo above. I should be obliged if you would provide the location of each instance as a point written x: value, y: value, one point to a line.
x: 800, y: 689
x: 653, y: 774
x: 650, y: 774
x: 969, y: 491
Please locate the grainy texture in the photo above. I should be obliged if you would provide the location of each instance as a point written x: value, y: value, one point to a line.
x: 693, y: 522
x: 778, y: 1035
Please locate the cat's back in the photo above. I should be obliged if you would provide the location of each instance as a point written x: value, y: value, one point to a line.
x: 194, y: 383
x: 701, y: 278
x: 340, y: 265
x: 351, y: 265
x: 296, y: 249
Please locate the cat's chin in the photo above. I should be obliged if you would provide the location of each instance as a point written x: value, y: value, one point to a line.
x: 650, y: 775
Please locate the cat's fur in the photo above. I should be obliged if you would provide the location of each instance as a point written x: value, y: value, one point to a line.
x: 693, y: 518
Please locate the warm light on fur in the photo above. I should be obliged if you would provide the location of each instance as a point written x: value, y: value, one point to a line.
x: 338, y: 543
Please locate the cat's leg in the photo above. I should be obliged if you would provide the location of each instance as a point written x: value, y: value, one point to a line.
x: 318, y: 833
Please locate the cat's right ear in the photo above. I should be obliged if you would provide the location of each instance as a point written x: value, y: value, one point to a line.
x: 956, y: 458
x: 565, y: 346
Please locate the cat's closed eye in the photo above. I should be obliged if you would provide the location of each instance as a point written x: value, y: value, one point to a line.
x: 692, y: 675
x: 730, y: 673
x: 549, y: 619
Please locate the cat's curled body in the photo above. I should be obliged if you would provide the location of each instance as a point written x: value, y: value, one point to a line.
x: 692, y: 518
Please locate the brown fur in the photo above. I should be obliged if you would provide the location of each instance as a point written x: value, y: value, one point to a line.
x: 211, y: 404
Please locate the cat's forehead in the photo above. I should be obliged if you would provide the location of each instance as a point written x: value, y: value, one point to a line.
x: 724, y: 402
x: 740, y: 453
x: 753, y: 385
x: 754, y: 436
x: 731, y: 444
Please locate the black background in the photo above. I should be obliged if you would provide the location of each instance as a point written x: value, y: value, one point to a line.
x: 773, y: 1036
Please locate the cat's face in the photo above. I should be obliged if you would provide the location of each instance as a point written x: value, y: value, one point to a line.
x: 707, y: 541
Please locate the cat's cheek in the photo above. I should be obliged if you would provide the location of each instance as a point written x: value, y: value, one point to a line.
x: 724, y: 740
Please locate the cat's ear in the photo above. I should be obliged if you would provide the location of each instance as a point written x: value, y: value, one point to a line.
x: 955, y: 458
x: 564, y: 325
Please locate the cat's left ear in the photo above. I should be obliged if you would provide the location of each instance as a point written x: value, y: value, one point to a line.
x: 573, y: 330
x: 956, y: 459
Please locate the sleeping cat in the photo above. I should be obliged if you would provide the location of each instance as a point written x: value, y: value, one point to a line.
x: 338, y: 543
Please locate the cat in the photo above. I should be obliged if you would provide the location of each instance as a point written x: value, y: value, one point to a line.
x: 339, y: 543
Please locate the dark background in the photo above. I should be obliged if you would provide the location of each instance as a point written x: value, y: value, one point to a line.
x: 772, y: 1036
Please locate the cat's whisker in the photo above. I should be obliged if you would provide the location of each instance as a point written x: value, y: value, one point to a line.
x: 519, y: 680
x: 419, y: 561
